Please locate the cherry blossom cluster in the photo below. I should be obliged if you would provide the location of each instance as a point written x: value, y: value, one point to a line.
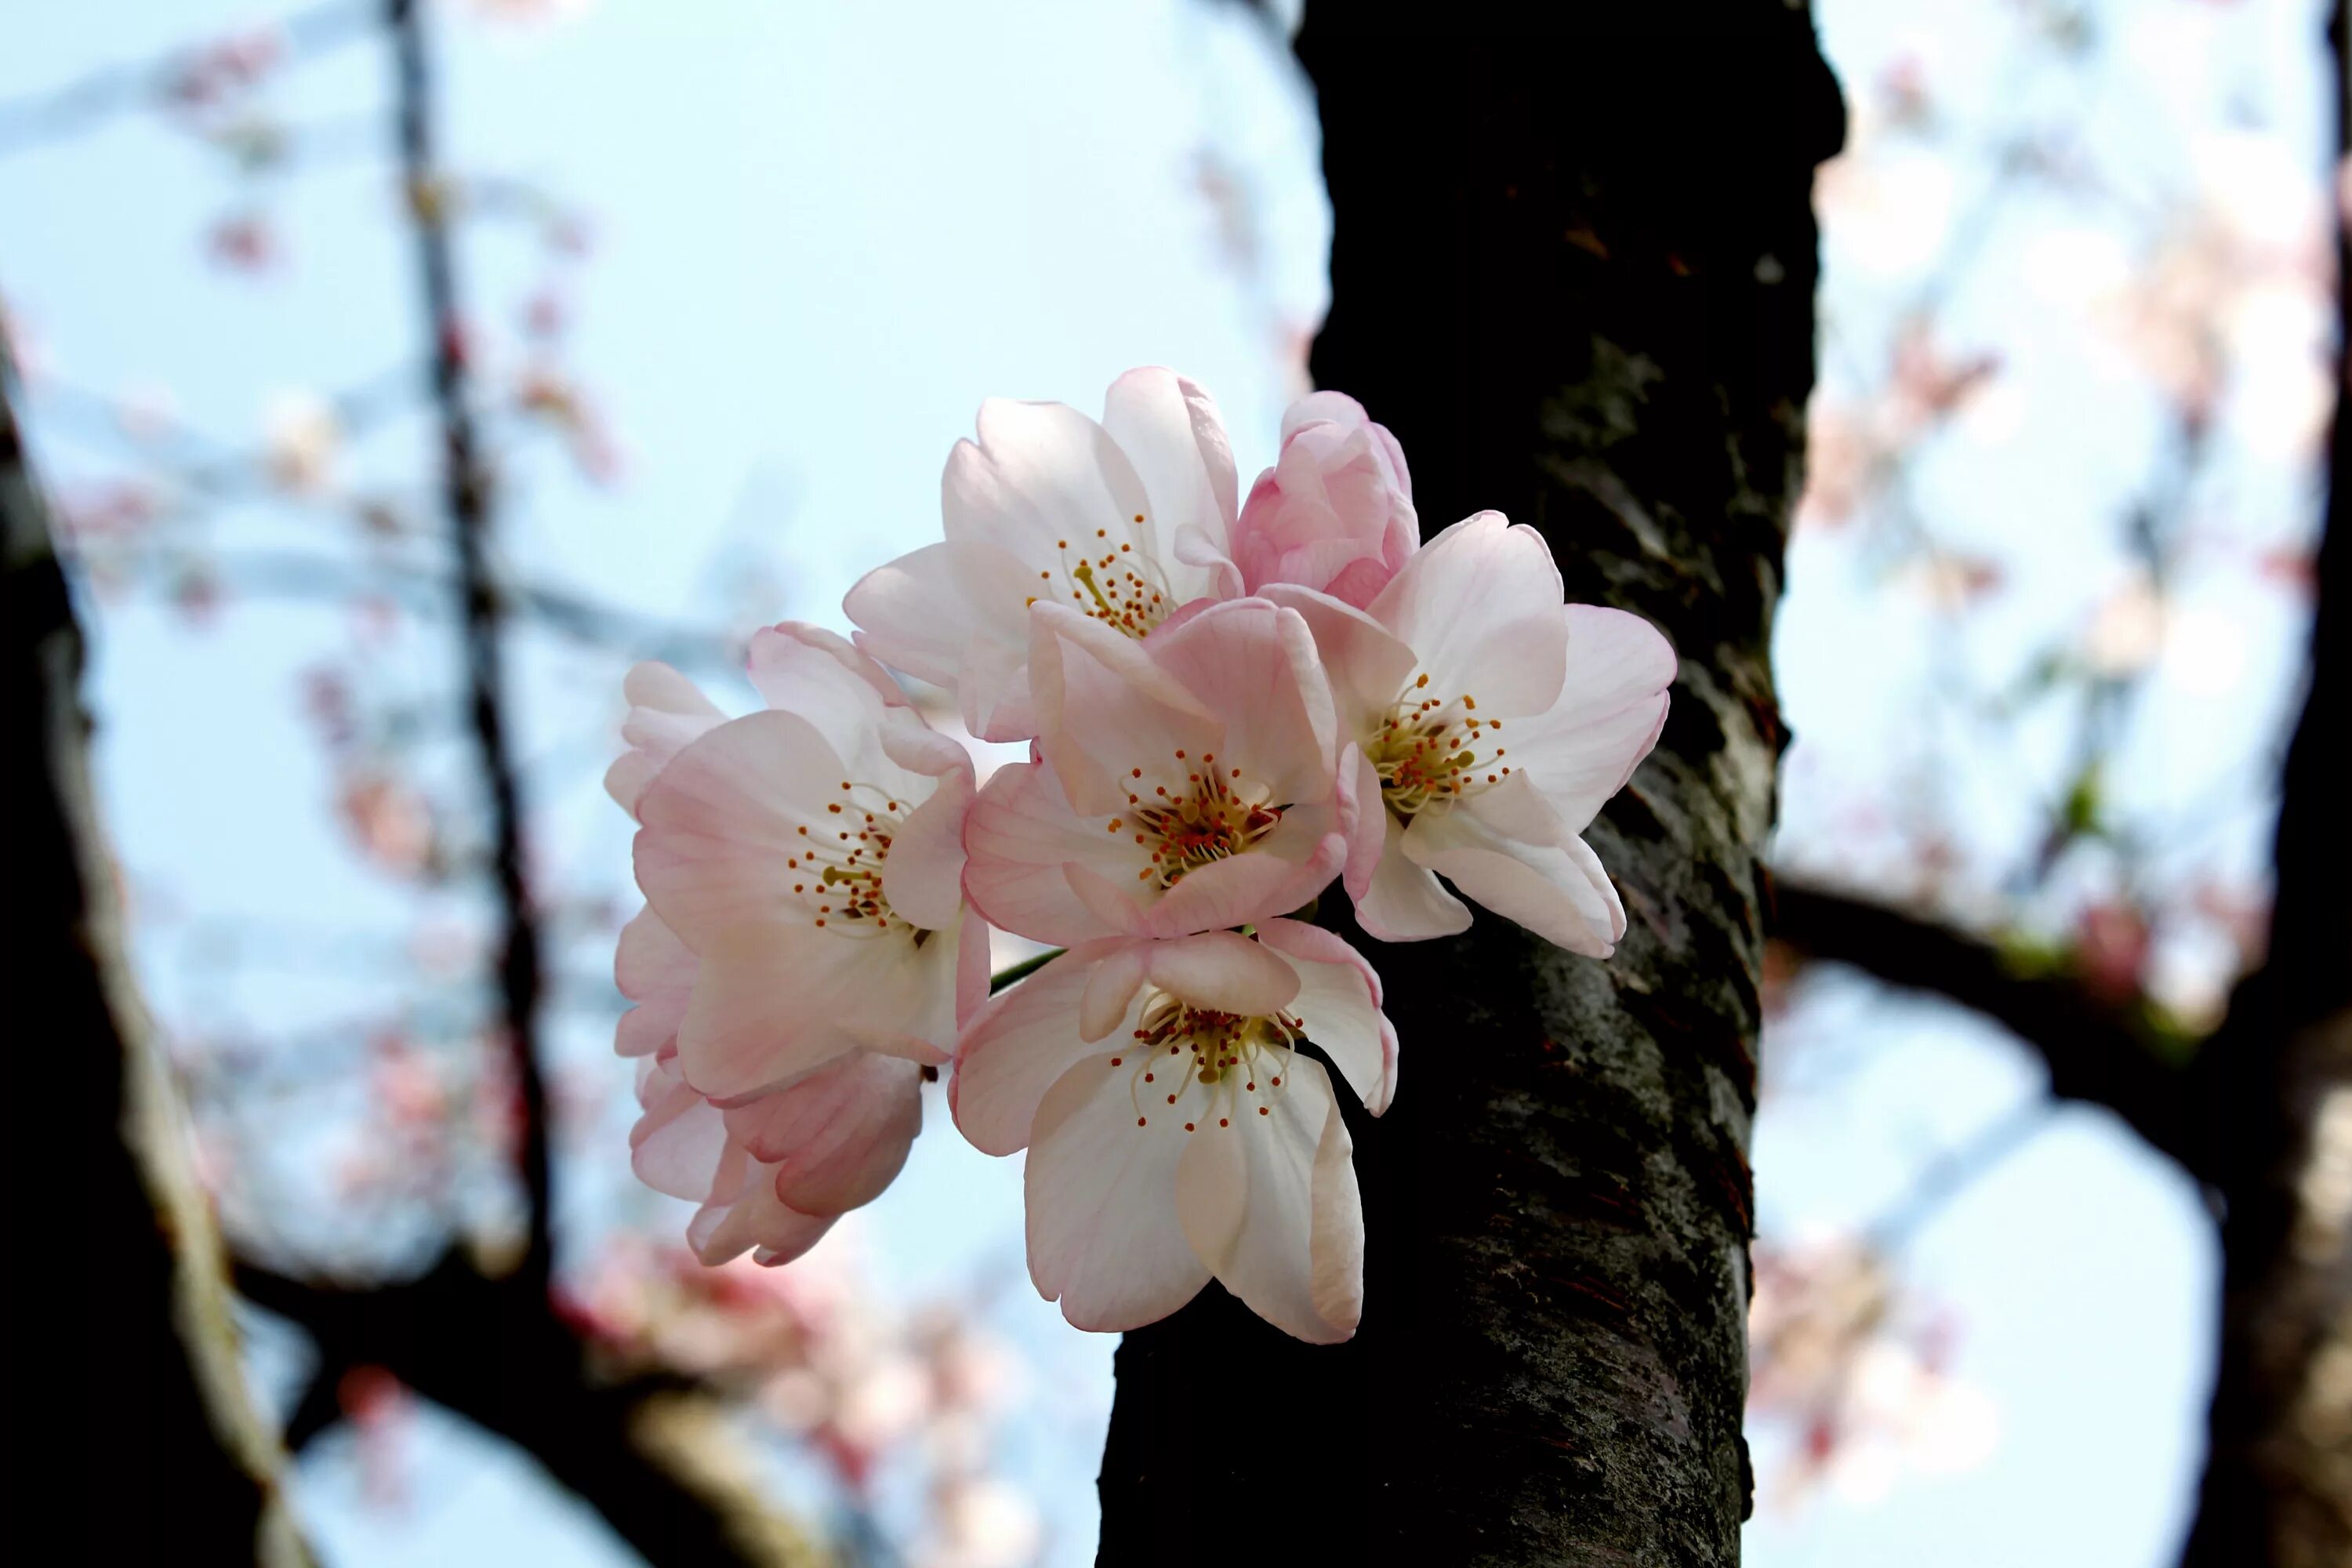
x: 1230, y: 704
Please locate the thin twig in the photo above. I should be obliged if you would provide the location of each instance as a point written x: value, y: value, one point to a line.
x: 38, y: 119
x: 466, y: 486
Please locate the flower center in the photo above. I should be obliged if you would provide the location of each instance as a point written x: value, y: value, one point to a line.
x: 1233, y: 1058
x: 1116, y: 583
x: 836, y: 874
x: 1425, y: 751
x: 1212, y: 815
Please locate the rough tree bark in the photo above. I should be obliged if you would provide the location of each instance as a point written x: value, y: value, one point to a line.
x: 170, y: 1460
x: 1574, y: 271
x: 2278, y: 1477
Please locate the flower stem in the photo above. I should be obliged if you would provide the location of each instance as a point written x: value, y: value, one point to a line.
x: 1023, y: 970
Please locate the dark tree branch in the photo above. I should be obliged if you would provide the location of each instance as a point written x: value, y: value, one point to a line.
x: 2097, y: 1051
x: 1573, y: 270
x: 646, y: 1452
x: 466, y: 487
x: 2277, y: 1490
x: 152, y: 1394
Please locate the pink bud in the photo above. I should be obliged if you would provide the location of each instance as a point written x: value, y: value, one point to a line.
x: 1335, y: 513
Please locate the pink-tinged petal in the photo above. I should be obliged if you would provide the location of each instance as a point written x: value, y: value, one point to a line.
x: 923, y: 876
x: 1105, y: 707
x: 679, y: 1143
x: 1586, y: 746
x: 1500, y: 848
x: 1219, y: 578
x: 974, y: 968
x: 1019, y: 1043
x: 1108, y: 902
x: 1221, y: 970
x: 802, y: 669
x: 1322, y: 406
x: 913, y: 1011
x: 1259, y: 885
x: 1404, y: 902
x: 1363, y: 820
x: 773, y: 1002
x: 721, y: 821
x: 1042, y: 480
x: 1019, y: 837
x: 1335, y: 513
x: 839, y: 1135
x: 1338, y: 1236
x: 653, y: 969
x: 1479, y: 604
x: 648, y: 1029
x: 1171, y: 431
x: 757, y: 1221
x: 1248, y: 1201
x: 1104, y: 1239
x: 955, y: 613
x: 1366, y: 666
x: 911, y: 744
x: 1110, y: 989
x: 1253, y: 665
x: 1338, y: 1004
x: 666, y: 712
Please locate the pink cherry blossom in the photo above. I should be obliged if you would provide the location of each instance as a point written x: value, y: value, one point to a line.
x: 1335, y: 513
x: 1175, y: 1133
x: 1483, y: 725
x: 684, y: 1146
x: 1127, y: 521
x: 802, y: 870
x: 1183, y: 784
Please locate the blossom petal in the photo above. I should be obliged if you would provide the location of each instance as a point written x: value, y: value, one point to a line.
x: 1479, y: 606
x: 922, y: 875
x: 1171, y: 431
x: 1109, y: 714
x: 1271, y: 1218
x: 652, y: 968
x: 954, y: 614
x: 1221, y: 970
x: 1111, y: 990
x: 666, y: 712
x: 1366, y: 664
x: 1584, y: 748
x: 1502, y: 848
x: 973, y: 967
x: 1020, y: 1042
x: 757, y: 1221
x: 1364, y: 819
x: 680, y: 1140
x: 722, y: 819
x: 1256, y: 886
x: 1402, y: 901
x: 1020, y: 834
x: 1253, y: 665
x: 1339, y: 1005
x: 775, y: 1000
x: 1104, y: 1237
x: 1042, y: 480
x: 838, y: 1136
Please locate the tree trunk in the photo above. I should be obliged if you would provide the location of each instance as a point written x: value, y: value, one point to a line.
x: 2278, y: 1477
x: 1574, y: 272
x: 170, y: 1461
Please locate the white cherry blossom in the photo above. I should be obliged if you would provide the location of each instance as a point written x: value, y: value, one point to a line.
x: 1483, y: 725
x: 1126, y: 521
x: 1175, y: 1132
